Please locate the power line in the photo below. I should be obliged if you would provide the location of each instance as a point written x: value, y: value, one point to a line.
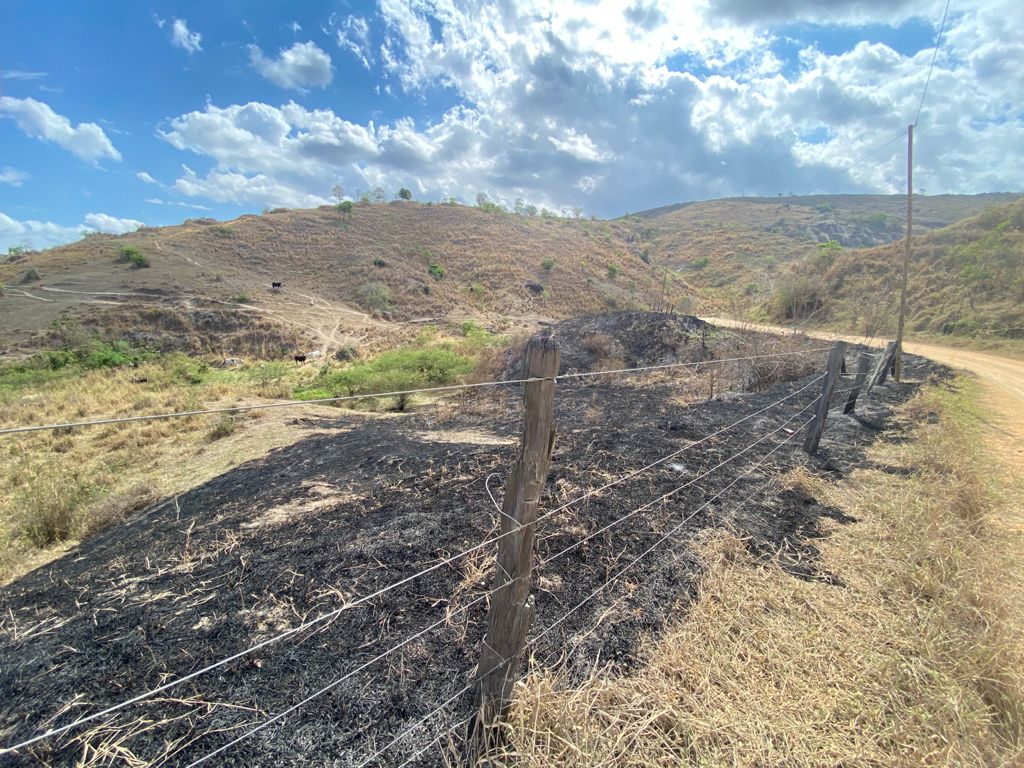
x: 935, y: 55
x: 396, y: 393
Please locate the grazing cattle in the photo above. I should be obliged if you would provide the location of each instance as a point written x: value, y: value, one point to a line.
x: 300, y: 358
x: 314, y: 355
x: 275, y: 286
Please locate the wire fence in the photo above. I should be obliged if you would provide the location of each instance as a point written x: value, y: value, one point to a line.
x: 514, y: 527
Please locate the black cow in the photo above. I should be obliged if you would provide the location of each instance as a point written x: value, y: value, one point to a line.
x: 275, y: 286
x: 300, y: 358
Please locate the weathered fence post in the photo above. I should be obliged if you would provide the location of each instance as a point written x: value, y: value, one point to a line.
x: 817, y: 425
x: 511, y: 606
x: 881, y: 367
x: 863, y: 363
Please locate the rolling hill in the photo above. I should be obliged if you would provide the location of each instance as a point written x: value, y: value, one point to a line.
x: 365, y: 277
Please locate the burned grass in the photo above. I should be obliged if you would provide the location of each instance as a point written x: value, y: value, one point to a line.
x: 364, y: 501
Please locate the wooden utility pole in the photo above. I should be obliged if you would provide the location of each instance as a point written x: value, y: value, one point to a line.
x: 898, y: 373
x: 511, y: 606
x: 828, y: 385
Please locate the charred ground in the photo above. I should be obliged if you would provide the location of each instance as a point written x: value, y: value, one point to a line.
x: 378, y: 498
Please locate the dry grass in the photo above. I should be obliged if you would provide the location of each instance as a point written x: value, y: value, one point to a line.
x: 59, y: 487
x: 908, y: 663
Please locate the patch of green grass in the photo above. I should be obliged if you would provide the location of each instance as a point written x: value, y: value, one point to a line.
x: 45, y: 367
x: 436, y: 270
x: 402, y: 369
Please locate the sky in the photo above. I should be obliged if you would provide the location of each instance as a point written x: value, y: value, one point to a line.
x: 119, y: 114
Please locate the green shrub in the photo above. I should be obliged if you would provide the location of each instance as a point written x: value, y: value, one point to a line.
x: 436, y: 270
x: 132, y: 255
x: 477, y: 289
x: 699, y: 263
x: 48, y: 504
x: 345, y: 206
x: 613, y: 271
x: 391, y: 371
x: 380, y: 263
x: 547, y: 265
x: 223, y: 427
x: 374, y: 296
x: 798, y: 297
x: 113, y: 355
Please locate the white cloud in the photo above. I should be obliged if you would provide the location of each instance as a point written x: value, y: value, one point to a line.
x: 13, y: 176
x: 594, y: 106
x: 21, y: 74
x: 299, y: 68
x: 353, y: 35
x: 102, y: 222
x: 182, y: 37
x: 33, y: 234
x: 36, y: 119
x: 178, y: 203
x: 46, y: 234
x: 147, y: 179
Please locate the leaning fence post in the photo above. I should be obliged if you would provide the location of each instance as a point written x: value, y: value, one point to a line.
x: 881, y: 367
x: 817, y: 425
x: 858, y: 381
x: 511, y: 606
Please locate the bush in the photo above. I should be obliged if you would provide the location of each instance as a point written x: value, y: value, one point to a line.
x: 436, y: 270
x: 380, y: 263
x: 547, y: 265
x: 132, y: 255
x: 404, y: 194
x: 345, y: 206
x: 48, y: 505
x: 223, y: 427
x: 477, y: 289
x: 114, y: 355
x: 374, y: 297
x: 391, y: 371
x: 240, y: 298
x: 699, y: 263
x: 613, y: 271
x: 798, y: 297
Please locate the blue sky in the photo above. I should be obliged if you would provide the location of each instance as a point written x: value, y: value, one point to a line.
x: 116, y: 114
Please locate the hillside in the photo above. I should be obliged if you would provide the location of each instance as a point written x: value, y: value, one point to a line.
x: 965, y: 280
x: 364, y: 278
x: 348, y: 278
x: 734, y: 251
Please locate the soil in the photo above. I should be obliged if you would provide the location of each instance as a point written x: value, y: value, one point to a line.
x: 336, y: 516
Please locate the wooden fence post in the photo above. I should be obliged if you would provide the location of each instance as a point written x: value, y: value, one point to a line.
x: 881, y: 367
x: 511, y: 606
x: 817, y: 425
x: 863, y: 364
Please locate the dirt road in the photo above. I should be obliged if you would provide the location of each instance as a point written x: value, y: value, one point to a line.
x: 1002, y: 379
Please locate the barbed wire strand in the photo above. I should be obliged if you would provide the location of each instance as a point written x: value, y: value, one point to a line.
x: 675, y: 490
x: 395, y: 393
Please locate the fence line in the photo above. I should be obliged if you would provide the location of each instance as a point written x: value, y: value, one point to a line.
x: 377, y: 593
x: 565, y: 615
x: 449, y: 560
x: 330, y: 686
x: 396, y: 393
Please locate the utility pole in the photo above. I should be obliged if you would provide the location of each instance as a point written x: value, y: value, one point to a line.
x: 906, y: 254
